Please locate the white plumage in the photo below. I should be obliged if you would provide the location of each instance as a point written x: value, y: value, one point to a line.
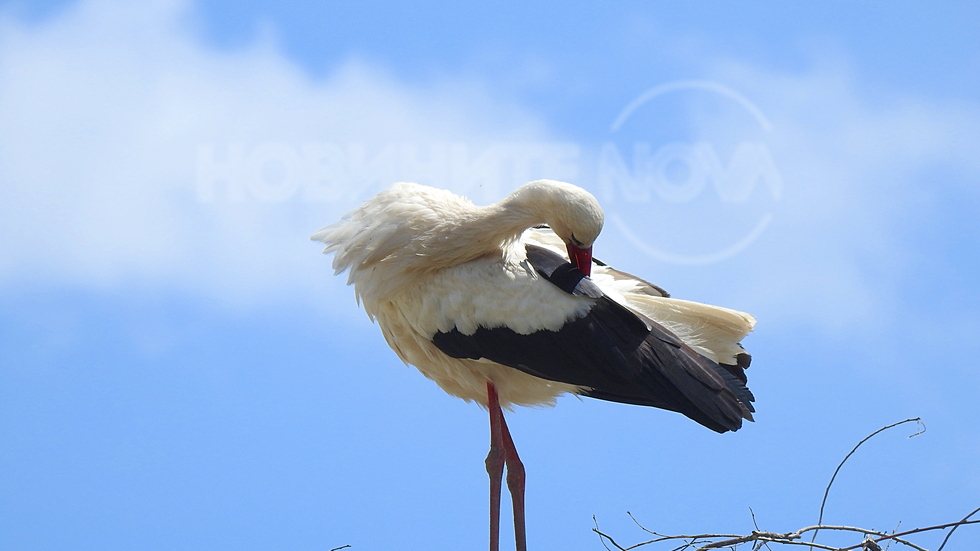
x: 424, y: 260
x: 486, y: 303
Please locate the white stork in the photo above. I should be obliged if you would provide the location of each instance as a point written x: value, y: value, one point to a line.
x: 484, y: 301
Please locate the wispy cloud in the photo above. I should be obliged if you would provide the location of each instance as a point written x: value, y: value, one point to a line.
x: 858, y: 162
x: 106, y: 110
x: 122, y: 135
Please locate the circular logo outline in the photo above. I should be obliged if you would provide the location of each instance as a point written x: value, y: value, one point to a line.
x: 745, y: 103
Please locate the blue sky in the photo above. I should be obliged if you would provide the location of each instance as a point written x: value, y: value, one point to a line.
x: 179, y: 368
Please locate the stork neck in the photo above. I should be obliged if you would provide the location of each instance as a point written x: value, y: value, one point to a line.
x: 493, y: 227
x: 473, y: 232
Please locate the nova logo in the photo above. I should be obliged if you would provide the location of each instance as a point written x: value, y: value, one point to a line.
x: 701, y: 183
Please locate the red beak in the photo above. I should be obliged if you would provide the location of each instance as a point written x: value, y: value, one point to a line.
x: 581, y: 258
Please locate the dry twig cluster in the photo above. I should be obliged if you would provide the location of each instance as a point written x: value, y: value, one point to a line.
x: 872, y: 540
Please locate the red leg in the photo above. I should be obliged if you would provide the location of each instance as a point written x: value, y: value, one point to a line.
x: 495, y: 464
x: 515, y: 483
x: 502, y: 450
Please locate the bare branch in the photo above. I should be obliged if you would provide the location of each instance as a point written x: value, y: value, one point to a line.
x: 759, y: 545
x: 826, y: 492
x: 601, y: 536
x: 718, y: 541
x: 887, y: 547
x: 966, y: 518
x: 761, y: 538
x: 916, y: 531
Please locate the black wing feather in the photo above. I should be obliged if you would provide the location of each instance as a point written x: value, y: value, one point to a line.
x: 616, y: 353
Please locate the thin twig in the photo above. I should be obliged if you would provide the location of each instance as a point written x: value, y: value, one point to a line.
x: 341, y: 547
x: 887, y: 547
x: 716, y: 541
x: 916, y: 531
x: 662, y: 537
x: 739, y: 541
x: 792, y: 537
x: 761, y: 538
x: 601, y: 535
x: 826, y: 492
x: 950, y: 533
x: 757, y: 529
x: 644, y: 528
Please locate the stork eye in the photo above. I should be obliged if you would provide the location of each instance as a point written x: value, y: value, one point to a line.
x: 576, y: 242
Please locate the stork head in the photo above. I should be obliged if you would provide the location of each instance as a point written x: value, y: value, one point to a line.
x: 578, y: 225
x: 573, y: 214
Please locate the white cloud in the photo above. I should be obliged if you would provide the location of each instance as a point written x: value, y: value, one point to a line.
x: 107, y: 110
x: 104, y: 110
x: 856, y: 163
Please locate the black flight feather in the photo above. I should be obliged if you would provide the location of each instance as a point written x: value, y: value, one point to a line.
x: 617, y: 354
